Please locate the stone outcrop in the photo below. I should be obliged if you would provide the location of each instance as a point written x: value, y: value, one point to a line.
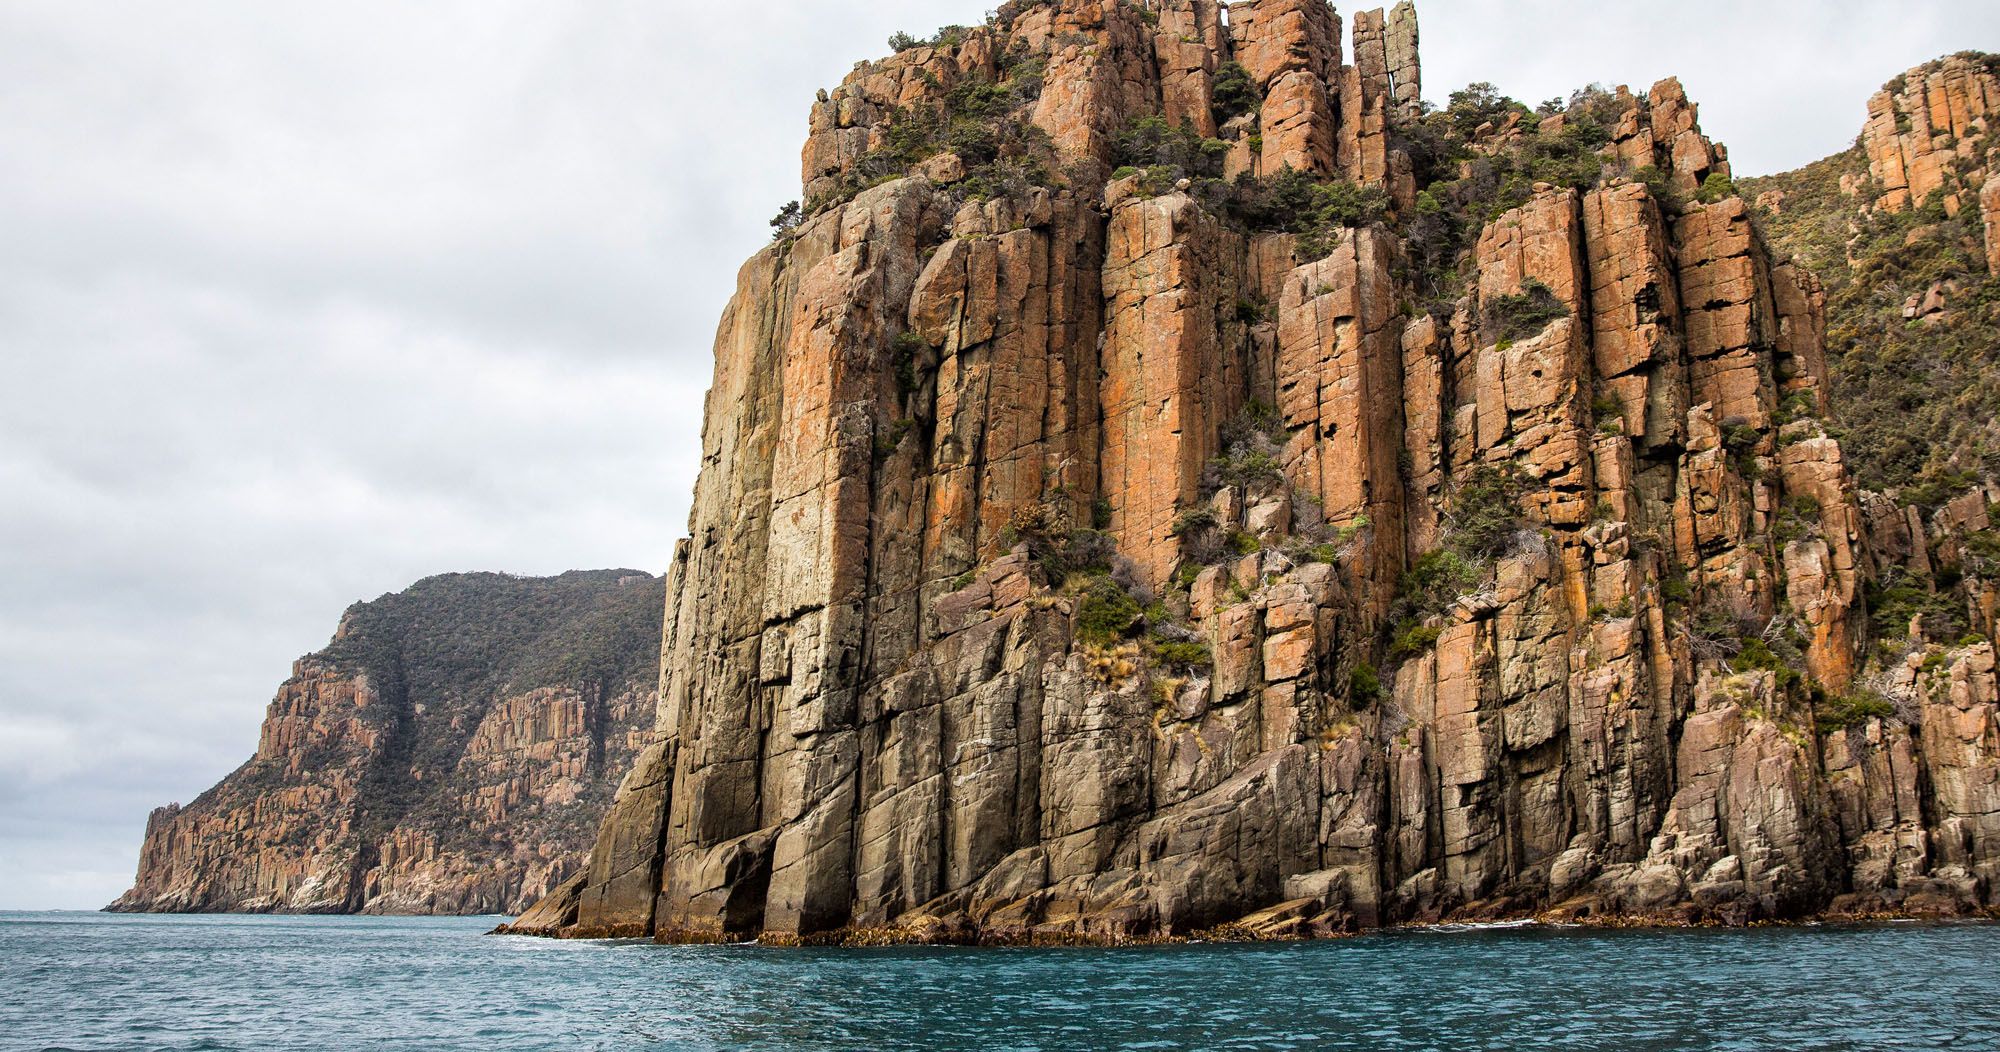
x: 1927, y: 132
x: 1989, y: 212
x: 1902, y: 230
x: 1931, y: 135
x: 1074, y: 563
x: 1662, y: 131
x: 450, y: 752
x: 1385, y: 52
x: 1101, y: 64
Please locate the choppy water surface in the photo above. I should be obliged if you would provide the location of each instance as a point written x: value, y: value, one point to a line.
x: 84, y: 981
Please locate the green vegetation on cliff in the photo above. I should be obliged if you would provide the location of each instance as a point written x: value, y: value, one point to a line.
x: 1913, y: 323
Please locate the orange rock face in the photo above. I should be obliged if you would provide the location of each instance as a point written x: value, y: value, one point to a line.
x: 1169, y: 285
x: 381, y: 785
x: 1661, y: 131
x: 1925, y: 127
x: 1071, y: 563
x: 1989, y: 211
x: 1339, y: 374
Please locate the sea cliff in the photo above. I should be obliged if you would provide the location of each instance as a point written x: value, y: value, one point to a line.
x: 1166, y: 478
x: 451, y: 751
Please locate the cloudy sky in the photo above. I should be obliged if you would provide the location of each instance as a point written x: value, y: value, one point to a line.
x: 300, y: 302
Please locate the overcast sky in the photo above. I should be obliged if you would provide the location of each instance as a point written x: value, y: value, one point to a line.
x: 300, y: 302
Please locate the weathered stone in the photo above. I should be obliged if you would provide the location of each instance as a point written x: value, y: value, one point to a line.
x: 900, y: 699
x: 498, y: 810
x: 1340, y: 360
x: 1925, y: 122
x: 1166, y: 387
x: 1989, y: 211
x: 1661, y: 131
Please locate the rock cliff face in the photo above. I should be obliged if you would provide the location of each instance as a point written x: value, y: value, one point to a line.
x: 1926, y: 132
x: 450, y: 751
x: 1904, y: 233
x: 1169, y: 481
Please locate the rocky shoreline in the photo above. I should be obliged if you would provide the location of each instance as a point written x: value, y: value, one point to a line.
x: 1284, y: 923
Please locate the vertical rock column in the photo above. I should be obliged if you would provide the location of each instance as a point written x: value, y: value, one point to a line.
x: 1188, y: 45
x: 1370, y: 95
x: 1406, y: 76
x: 1009, y: 308
x: 1102, y: 72
x: 1291, y: 49
x: 1635, y: 316
x: 850, y: 307
x: 1731, y: 331
x: 1168, y: 380
x: 1371, y: 52
x: 713, y: 698
x: 1625, y: 690
x: 1533, y: 393
x: 1340, y: 391
x: 1923, y: 125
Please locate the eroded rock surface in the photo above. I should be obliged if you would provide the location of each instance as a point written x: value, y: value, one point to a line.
x: 1925, y: 130
x: 450, y: 752
x: 1073, y: 563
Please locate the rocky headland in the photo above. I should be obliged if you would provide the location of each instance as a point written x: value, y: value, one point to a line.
x: 1164, y: 477
x: 451, y: 751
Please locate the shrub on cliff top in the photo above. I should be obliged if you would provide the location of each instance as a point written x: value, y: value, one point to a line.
x: 1465, y: 183
x: 1717, y: 187
x: 1476, y: 104
x: 1911, y: 399
x: 975, y: 120
x: 787, y: 220
x: 1151, y: 143
x: 1298, y: 203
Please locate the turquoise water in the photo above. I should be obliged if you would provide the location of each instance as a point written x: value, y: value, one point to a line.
x: 89, y: 981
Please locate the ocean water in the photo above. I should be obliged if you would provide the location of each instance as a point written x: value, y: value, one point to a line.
x: 89, y: 981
